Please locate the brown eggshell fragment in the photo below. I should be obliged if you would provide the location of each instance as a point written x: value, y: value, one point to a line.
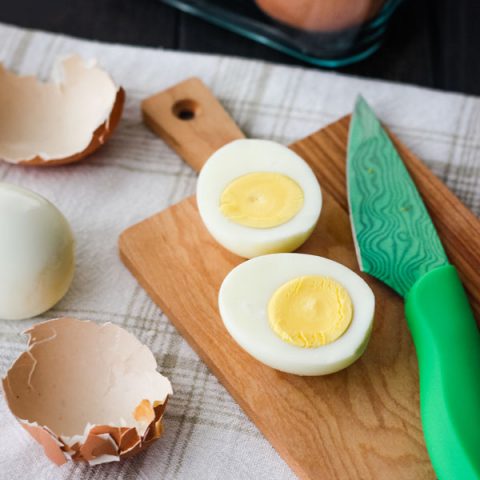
x: 59, y: 122
x: 51, y: 445
x: 87, y: 392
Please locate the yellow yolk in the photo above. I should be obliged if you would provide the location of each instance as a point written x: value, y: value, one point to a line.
x: 261, y: 200
x: 310, y: 311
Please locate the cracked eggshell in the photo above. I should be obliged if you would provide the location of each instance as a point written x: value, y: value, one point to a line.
x: 59, y: 122
x: 86, y: 391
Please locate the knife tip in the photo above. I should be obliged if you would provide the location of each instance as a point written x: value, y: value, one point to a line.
x: 360, y: 102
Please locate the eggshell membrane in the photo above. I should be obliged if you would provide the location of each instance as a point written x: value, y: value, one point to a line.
x: 239, y: 158
x: 87, y: 392
x: 321, y: 15
x: 243, y: 303
x: 59, y: 122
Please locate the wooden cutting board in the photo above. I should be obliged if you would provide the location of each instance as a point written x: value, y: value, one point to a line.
x: 360, y: 423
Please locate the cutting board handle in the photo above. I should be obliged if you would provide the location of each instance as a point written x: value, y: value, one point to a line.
x: 190, y: 120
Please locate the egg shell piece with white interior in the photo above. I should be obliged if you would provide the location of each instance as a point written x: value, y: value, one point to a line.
x: 37, y: 253
x: 243, y: 304
x: 60, y: 121
x: 87, y: 392
x: 247, y: 156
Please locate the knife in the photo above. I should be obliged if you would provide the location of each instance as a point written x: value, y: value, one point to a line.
x: 397, y: 243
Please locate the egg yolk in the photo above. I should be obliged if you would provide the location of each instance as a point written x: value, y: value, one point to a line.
x: 261, y: 200
x: 310, y: 311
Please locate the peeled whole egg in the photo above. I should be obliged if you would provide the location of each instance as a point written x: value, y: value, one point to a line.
x: 258, y: 197
x: 298, y: 313
x: 37, y: 257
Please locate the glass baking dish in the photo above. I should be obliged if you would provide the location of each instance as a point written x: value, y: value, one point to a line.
x: 325, y: 33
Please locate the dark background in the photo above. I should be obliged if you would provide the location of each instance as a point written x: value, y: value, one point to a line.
x: 435, y: 43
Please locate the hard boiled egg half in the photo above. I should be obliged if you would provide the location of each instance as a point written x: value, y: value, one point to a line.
x: 298, y: 313
x: 258, y: 197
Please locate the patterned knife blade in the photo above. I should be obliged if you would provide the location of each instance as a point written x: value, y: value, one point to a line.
x: 397, y: 243
x: 395, y: 239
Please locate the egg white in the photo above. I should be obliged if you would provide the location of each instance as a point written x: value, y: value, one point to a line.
x: 243, y: 302
x: 239, y: 158
x: 37, y: 257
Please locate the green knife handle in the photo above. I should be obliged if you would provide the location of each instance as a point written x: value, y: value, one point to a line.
x: 447, y: 341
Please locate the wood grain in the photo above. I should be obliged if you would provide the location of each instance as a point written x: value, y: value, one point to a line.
x: 190, y: 120
x: 361, y: 423
x: 457, y: 226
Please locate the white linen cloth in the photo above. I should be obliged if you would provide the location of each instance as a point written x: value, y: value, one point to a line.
x: 207, y: 436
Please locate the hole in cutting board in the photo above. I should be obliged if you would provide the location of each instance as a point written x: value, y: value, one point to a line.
x: 186, y: 109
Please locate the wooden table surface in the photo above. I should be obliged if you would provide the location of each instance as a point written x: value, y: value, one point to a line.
x: 433, y: 43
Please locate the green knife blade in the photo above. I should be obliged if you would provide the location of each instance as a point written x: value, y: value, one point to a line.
x: 397, y: 243
x: 395, y: 238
